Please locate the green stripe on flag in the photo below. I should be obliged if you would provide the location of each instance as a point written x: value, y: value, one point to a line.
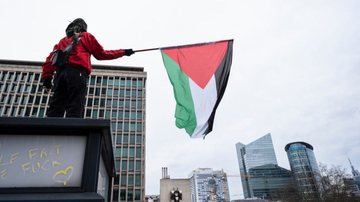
x: 185, y: 110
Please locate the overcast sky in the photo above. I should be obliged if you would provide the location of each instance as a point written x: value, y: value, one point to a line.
x: 295, y: 71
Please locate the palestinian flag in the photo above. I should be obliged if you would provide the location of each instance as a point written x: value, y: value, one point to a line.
x: 198, y: 74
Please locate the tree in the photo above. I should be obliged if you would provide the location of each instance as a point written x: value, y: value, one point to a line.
x: 333, y: 186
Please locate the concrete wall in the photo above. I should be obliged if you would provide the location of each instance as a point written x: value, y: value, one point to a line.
x: 167, y: 185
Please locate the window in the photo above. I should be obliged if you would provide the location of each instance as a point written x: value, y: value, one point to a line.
x: 116, y: 179
x: 138, y: 165
x: 137, y: 194
x: 131, y: 180
x: 132, y: 139
x: 117, y: 165
x: 123, y: 165
x: 116, y: 195
x: 138, y: 180
x: 125, y: 139
x: 138, y: 139
x: 132, y: 152
x: 131, y: 165
x: 124, y: 152
x: 130, y: 194
x: 139, y: 127
x: 118, y: 152
x: 123, y: 194
x: 138, y: 152
x: 123, y: 179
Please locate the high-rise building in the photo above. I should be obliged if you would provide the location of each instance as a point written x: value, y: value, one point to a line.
x: 305, y: 169
x: 261, y: 177
x: 257, y: 153
x: 209, y: 185
x: 115, y: 93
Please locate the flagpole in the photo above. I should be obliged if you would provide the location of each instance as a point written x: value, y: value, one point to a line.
x: 181, y: 46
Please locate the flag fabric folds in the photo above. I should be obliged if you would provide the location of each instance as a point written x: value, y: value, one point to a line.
x: 199, y: 74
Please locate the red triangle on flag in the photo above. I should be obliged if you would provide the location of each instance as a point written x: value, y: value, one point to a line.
x: 199, y: 62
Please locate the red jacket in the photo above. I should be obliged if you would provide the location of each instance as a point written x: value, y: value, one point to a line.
x: 80, y: 54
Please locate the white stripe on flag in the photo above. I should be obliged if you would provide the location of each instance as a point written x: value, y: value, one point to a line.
x: 204, y: 102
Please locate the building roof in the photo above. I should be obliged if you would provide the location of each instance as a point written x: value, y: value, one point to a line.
x: 107, y: 67
x: 303, y: 143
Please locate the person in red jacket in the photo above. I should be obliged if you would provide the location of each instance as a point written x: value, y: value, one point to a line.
x: 70, y: 80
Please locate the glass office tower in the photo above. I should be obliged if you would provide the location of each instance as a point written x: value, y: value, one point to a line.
x: 257, y: 153
x: 304, y: 168
x: 115, y: 93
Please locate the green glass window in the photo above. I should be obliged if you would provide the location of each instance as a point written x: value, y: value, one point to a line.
x: 138, y: 152
x: 111, y: 81
x: 116, y: 81
x: 132, y: 126
x: 105, y: 80
x: 138, y: 165
x: 41, y: 112
x: 131, y: 180
x: 125, y: 139
x: 120, y: 115
x: 139, y: 127
x: 95, y: 114
x: 124, y: 152
x: 97, y: 91
x: 138, y: 139
x: 118, y: 152
x: 117, y: 165
x: 130, y: 195
x: 98, y: 80
x: 132, y: 139
x: 92, y: 80
x: 123, y: 165
x: 131, y: 165
x: 137, y: 194
x: 137, y: 180
x: 123, y: 179
x: 118, y: 140
x: 115, y: 194
x: 116, y: 179
x: 132, y: 152
x: 123, y: 194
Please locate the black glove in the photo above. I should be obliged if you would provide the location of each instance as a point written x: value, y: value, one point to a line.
x: 129, y: 52
x: 47, y: 83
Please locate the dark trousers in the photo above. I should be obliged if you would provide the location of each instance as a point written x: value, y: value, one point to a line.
x: 69, y: 93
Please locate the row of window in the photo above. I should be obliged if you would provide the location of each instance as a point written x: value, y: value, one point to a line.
x: 19, y: 76
x: 22, y: 111
x: 128, y: 152
x: 19, y: 88
x: 115, y: 81
x: 24, y: 100
x: 126, y: 195
x: 94, y: 80
x: 115, y: 92
x: 131, y: 139
x: 96, y: 102
x: 129, y: 166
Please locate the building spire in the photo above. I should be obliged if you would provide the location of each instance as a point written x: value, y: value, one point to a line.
x: 355, y: 172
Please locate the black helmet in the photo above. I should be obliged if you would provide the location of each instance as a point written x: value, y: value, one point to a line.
x: 76, y: 26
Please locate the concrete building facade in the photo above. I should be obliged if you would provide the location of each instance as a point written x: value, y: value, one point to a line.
x: 167, y: 185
